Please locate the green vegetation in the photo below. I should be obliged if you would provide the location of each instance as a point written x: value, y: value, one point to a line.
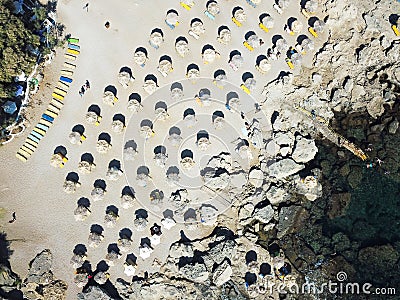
x: 24, y: 39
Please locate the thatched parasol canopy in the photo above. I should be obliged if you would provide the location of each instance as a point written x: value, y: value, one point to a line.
x: 94, y: 239
x: 311, y: 6
x: 81, y: 279
x: 127, y: 201
x: 283, y: 3
x: 124, y: 78
x: 97, y: 194
x: 74, y: 138
x: 111, y: 257
x: 197, y: 27
x: 253, y: 40
x: 160, y: 159
x: 117, y: 126
x: 165, y: 66
x: 113, y: 173
x: 209, y: 55
x: 264, y: 65
x: 91, y: 117
x: 172, y: 18
x: 175, y: 139
x: 140, y: 58
x: 81, y: 213
x: 191, y: 224
x: 213, y: 8
x: 103, y: 146
x: 187, y: 163
x: 161, y: 114
x: 176, y: 94
x: 142, y: 179
x: 168, y: 223
x: 56, y: 160
x: 134, y: 105
x: 250, y: 83
x: 77, y: 260
x: 221, y: 80
x: 150, y: 86
x: 140, y: 224
x: 240, y: 15
x: 237, y: 60
x: 124, y: 244
x: 156, y: 39
x: 225, y: 36
x: 296, y: 59
x: 268, y: 22
x: 108, y: 98
x: 146, y: 132
x: 193, y: 74
x: 182, y: 48
x: 70, y: 186
x: 203, y: 143
x: 173, y: 178
x: 190, y: 120
x: 219, y: 122
x: 296, y: 26
x: 101, y: 277
x: 281, y: 45
x: 145, y: 251
x: 110, y: 219
x: 130, y: 153
x: 85, y: 167
x: 307, y: 44
x: 319, y: 26
x: 129, y: 270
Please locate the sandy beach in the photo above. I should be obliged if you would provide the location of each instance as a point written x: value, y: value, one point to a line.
x: 45, y: 213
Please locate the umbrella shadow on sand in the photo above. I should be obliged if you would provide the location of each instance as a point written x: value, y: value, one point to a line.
x: 128, y: 190
x: 79, y: 129
x: 125, y: 233
x: 96, y: 228
x: 100, y: 183
x: 80, y: 249
x: 141, y: 214
x: 83, y: 201
x: 72, y: 176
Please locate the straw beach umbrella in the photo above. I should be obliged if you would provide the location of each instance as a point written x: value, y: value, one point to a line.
x: 182, y: 47
x: 70, y: 186
x: 103, y: 146
x: 111, y: 257
x: 203, y: 143
x: 77, y: 260
x: 311, y: 6
x: 140, y: 224
x: 81, y: 279
x: 156, y: 38
x: 74, y: 138
x: 307, y: 44
x: 281, y: 45
x: 101, y: 277
x: 124, y: 244
x: 124, y: 78
x: 108, y: 98
x: 56, y: 160
x: 225, y: 36
x: 240, y: 15
x: 268, y: 22
x: 197, y: 27
x: 81, y: 213
x: 319, y: 26
x: 113, y: 173
x: 91, y: 117
x: 94, y: 239
x: 86, y: 167
x: 296, y: 59
x: 97, y: 194
x: 117, y: 126
x: 110, y: 219
x: 127, y: 201
x: 140, y: 57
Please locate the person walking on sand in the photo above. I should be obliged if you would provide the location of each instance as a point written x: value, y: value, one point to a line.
x: 87, y: 84
x: 86, y: 7
x: 14, y: 217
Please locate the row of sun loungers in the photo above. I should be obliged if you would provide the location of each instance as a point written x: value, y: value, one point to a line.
x: 55, y: 105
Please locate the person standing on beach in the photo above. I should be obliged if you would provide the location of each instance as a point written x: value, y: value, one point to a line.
x: 86, y: 7
x: 87, y: 84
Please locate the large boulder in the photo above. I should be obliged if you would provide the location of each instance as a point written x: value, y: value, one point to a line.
x: 93, y: 293
x: 284, y: 168
x: 222, y: 273
x: 264, y: 215
x: 305, y: 150
x: 196, y: 273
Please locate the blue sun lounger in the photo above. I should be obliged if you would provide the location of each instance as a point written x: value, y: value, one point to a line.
x: 34, y: 138
x: 43, y: 127
x: 47, y: 118
x: 73, y: 46
x: 65, y: 79
x: 36, y: 134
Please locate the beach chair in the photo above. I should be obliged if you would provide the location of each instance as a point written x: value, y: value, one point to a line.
x: 395, y: 30
x: 247, y: 45
x: 262, y: 26
x: 245, y: 89
x: 65, y: 79
x: 185, y: 6
x: 69, y: 65
x: 73, y: 40
x: 306, y: 13
x: 60, y: 91
x: 31, y: 142
x: 63, y: 85
x: 57, y: 103
x: 70, y: 56
x: 238, y: 24
x: 312, y: 31
x: 34, y: 138
x: 67, y: 72
x: 251, y: 3
x: 30, y: 146
x: 47, y: 118
x: 72, y: 51
x: 289, y: 63
x: 53, y: 108
x: 42, y: 127
x: 23, y: 153
x: 26, y: 149
x: 73, y: 47
x: 40, y: 131
x: 57, y: 96
x: 209, y: 15
x: 277, y: 8
x: 51, y: 114
x: 191, y: 33
x: 21, y: 157
x: 172, y: 26
x: 36, y: 135
x: 45, y: 122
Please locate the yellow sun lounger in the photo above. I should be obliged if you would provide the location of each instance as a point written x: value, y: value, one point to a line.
x: 23, y: 152
x: 54, y: 108
x: 45, y: 122
x: 66, y: 73
x: 21, y: 156
x: 40, y: 131
x: 57, y: 103
x: 63, y: 85
x: 69, y: 65
x: 185, y: 6
x: 31, y: 142
x: 57, y: 96
x: 245, y: 89
x: 70, y: 56
x: 289, y: 63
x: 262, y: 26
x: 72, y: 51
x: 238, y: 24
x: 60, y: 91
x: 26, y: 149
x: 29, y: 146
x: 51, y: 114
x: 312, y: 31
x: 247, y: 45
x: 396, y: 30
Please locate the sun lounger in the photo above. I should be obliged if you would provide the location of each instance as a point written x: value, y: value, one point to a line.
x: 73, y: 40
x: 238, y: 24
x: 251, y: 3
x: 289, y: 63
x: 31, y: 142
x: 247, y: 45
x: 63, y: 85
x: 277, y: 8
x: 26, y: 149
x: 42, y: 127
x: 172, y: 26
x: 209, y: 15
x: 59, y: 91
x: 34, y: 138
x: 185, y: 6
x: 262, y: 26
x: 67, y: 72
x: 245, y: 89
x: 57, y: 96
x: 396, y: 30
x: 57, y: 103
x: 306, y: 13
x: 36, y: 135
x: 53, y: 108
x: 65, y: 79
x: 70, y: 56
x: 312, y: 31
x: 51, y: 114
x: 29, y: 146
x: 191, y: 33
x: 39, y: 130
x: 23, y: 153
x: 47, y: 118
x: 73, y: 52
x: 45, y: 122
x: 69, y: 65
x: 73, y: 47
